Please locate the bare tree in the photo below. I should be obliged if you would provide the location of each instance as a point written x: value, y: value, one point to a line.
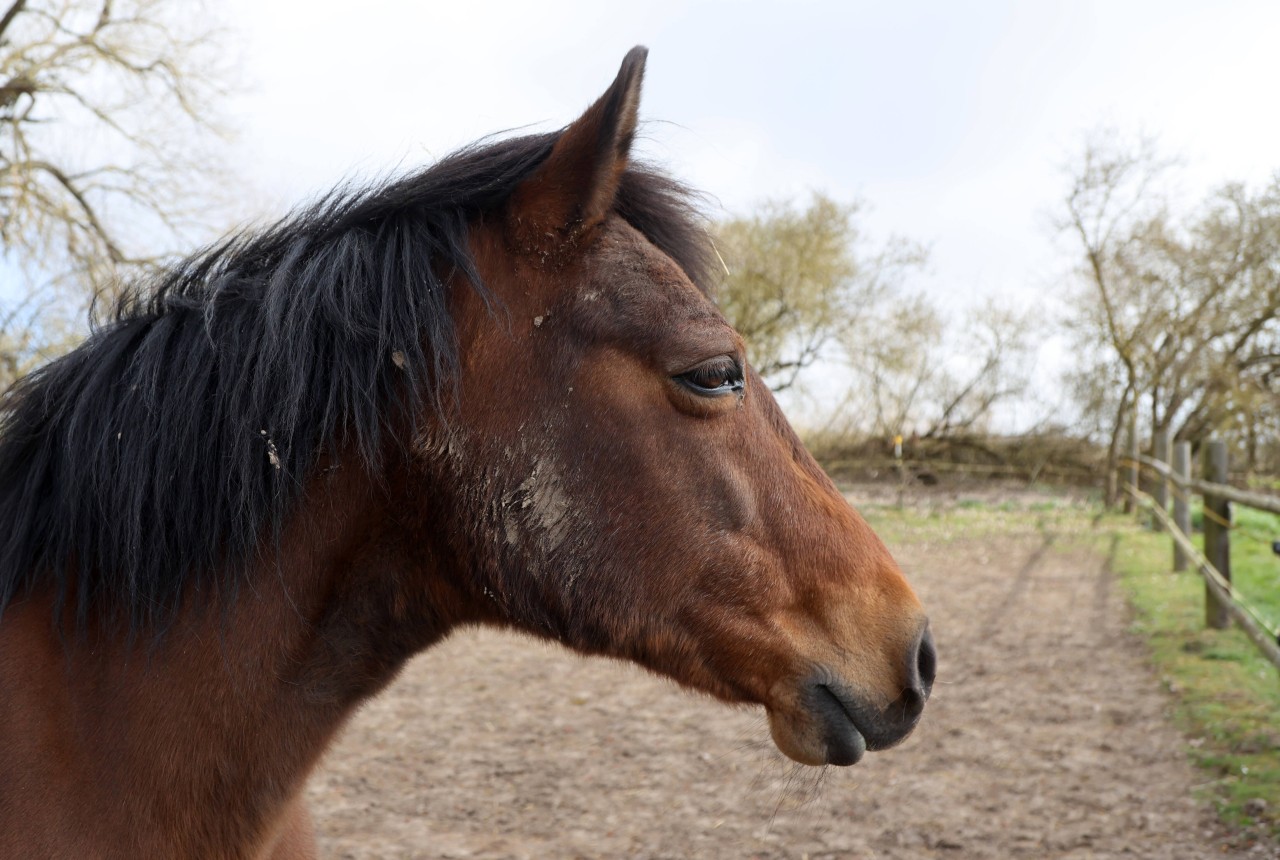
x: 1180, y: 316
x: 996, y: 352
x: 1114, y: 189
x: 800, y: 278
x: 895, y: 355
x: 104, y: 105
x: 1221, y: 365
x: 925, y: 377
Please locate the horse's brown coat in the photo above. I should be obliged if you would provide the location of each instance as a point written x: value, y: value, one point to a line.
x: 576, y: 489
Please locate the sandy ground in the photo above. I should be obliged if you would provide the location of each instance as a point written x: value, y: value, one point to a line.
x: 1046, y: 738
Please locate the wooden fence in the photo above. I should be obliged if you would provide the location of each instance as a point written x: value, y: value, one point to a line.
x: 1172, y: 469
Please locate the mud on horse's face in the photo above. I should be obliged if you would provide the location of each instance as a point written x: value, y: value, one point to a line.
x: 632, y: 487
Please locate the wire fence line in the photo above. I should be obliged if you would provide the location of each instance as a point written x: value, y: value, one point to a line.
x: 1223, y: 602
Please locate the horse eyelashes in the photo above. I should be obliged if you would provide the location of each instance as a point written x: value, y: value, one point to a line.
x: 715, y: 377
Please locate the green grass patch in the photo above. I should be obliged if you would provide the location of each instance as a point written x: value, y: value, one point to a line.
x: 1264, y: 484
x: 1227, y: 694
x: 1255, y: 568
x: 975, y: 518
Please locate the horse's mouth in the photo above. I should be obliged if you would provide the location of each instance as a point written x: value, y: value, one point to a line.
x: 845, y: 741
x: 827, y: 723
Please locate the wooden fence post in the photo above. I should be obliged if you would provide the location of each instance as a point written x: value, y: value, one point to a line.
x: 1181, y: 500
x: 1160, y: 491
x: 1217, y: 535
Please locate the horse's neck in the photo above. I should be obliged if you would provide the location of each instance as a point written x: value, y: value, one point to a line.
x: 205, y: 737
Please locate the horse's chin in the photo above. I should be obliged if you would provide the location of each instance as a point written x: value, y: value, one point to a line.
x: 818, y: 736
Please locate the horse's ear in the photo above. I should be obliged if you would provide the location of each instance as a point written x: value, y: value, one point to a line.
x: 574, y: 188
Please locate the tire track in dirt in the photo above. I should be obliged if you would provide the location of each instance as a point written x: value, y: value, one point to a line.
x: 1045, y: 738
x: 1019, y: 586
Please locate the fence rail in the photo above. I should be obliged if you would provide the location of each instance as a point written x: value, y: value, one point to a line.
x: 1222, y: 591
x: 1222, y: 603
x: 1209, y: 488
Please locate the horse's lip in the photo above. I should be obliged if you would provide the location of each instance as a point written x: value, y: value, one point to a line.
x: 846, y: 739
x: 879, y: 728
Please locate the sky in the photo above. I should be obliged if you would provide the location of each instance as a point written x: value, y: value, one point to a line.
x: 953, y: 121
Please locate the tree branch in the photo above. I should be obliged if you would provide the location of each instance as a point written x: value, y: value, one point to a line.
x: 86, y: 208
x: 12, y: 12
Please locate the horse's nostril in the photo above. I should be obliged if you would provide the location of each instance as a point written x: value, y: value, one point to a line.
x: 922, y: 665
x: 926, y: 661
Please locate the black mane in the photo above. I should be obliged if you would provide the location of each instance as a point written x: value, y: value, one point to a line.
x: 158, y: 454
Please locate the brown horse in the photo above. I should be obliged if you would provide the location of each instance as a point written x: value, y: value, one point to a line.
x: 492, y: 392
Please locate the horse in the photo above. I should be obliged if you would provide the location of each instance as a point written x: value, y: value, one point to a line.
x: 494, y: 391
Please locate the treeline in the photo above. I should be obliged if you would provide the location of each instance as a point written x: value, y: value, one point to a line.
x: 1173, y: 320
x: 822, y: 306
x: 1177, y: 326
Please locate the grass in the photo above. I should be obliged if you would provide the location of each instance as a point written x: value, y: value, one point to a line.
x: 1255, y: 567
x: 972, y: 518
x: 1264, y: 484
x: 1226, y: 695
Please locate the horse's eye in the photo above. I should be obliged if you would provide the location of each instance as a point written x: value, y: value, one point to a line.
x: 713, y: 378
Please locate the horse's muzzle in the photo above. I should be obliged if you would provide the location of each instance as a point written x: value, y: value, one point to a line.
x: 848, y: 726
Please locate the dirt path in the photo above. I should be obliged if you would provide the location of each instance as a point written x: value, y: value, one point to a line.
x: 1045, y: 739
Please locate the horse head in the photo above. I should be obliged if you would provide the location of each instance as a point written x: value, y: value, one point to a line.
x: 615, y: 477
